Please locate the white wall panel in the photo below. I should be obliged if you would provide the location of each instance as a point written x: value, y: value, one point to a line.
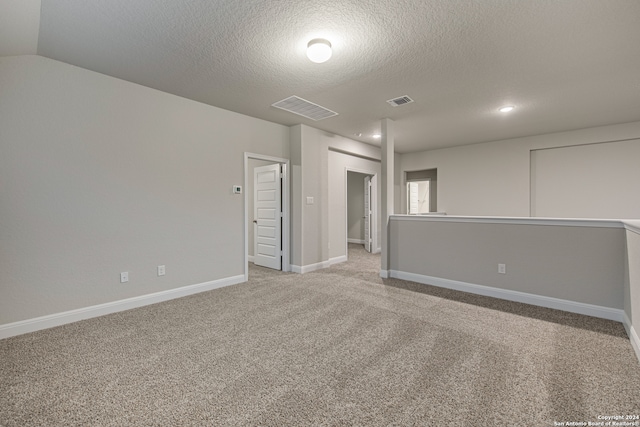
x: 587, y: 181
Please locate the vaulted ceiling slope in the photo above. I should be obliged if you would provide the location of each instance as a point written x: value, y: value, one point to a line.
x: 564, y: 64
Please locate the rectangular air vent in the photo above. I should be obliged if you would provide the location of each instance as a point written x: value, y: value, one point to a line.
x: 400, y: 101
x: 304, y: 108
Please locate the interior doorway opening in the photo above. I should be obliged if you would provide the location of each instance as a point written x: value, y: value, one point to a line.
x: 363, y: 222
x: 418, y: 197
x: 422, y: 191
x: 266, y: 212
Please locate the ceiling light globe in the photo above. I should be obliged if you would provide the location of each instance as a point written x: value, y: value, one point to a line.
x: 506, y: 108
x: 319, y: 50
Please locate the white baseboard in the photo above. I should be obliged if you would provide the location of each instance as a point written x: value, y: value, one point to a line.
x: 627, y: 323
x: 318, y: 266
x: 506, y: 294
x: 309, y: 268
x: 337, y: 260
x: 250, y: 258
x: 633, y: 335
x: 49, y: 321
x: 384, y: 274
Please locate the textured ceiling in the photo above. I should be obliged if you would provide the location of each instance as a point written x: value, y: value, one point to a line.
x: 564, y: 64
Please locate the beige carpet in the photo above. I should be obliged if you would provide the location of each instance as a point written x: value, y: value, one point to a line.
x: 333, y: 347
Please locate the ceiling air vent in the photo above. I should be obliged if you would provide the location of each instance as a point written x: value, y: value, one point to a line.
x: 302, y: 107
x: 400, y: 101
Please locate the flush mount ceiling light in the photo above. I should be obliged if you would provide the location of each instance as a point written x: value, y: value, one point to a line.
x: 319, y: 50
x: 376, y: 135
x: 506, y: 108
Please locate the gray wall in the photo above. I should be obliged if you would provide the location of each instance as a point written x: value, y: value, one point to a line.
x: 581, y: 264
x: 99, y: 176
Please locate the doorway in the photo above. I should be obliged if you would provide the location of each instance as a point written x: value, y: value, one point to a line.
x: 422, y: 191
x: 266, y: 174
x: 418, y: 197
x: 363, y: 223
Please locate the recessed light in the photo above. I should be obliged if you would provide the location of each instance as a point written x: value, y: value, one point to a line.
x: 506, y: 108
x: 376, y: 135
x: 319, y: 50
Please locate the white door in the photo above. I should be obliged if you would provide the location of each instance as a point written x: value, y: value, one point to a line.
x: 367, y: 213
x: 267, y: 202
x: 413, y: 198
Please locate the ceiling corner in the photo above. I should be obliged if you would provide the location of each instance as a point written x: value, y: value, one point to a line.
x: 19, y: 27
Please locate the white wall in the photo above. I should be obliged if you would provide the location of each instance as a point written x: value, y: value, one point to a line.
x: 589, y: 181
x: 493, y: 179
x: 100, y: 176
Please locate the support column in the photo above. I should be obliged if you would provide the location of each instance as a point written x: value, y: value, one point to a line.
x: 387, y: 157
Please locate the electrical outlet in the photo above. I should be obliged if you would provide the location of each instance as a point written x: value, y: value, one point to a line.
x: 124, y: 277
x: 161, y: 270
x: 502, y: 268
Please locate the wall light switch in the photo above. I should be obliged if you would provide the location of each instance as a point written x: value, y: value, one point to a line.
x: 124, y: 277
x: 309, y: 200
x: 161, y: 270
x: 502, y: 268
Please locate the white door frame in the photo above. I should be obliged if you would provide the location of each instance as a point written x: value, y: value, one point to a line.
x: 374, y: 206
x: 286, y: 224
x: 368, y: 213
